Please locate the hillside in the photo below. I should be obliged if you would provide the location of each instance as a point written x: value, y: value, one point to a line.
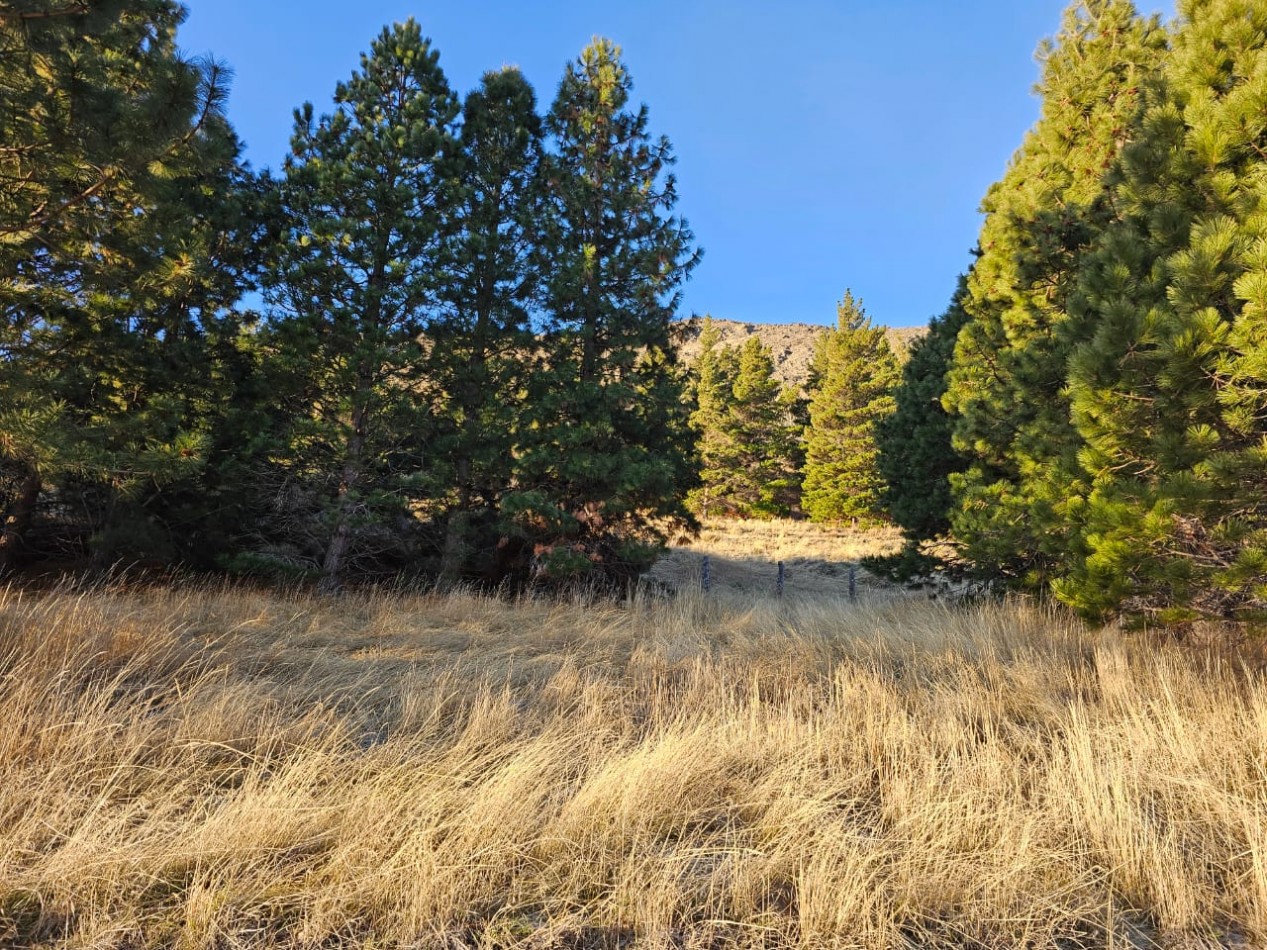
x: 792, y: 344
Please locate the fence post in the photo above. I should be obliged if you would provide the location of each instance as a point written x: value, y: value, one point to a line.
x: 853, y: 582
x: 779, y: 584
x: 704, y: 579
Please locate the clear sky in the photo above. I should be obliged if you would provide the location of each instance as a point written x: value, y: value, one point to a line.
x: 822, y: 144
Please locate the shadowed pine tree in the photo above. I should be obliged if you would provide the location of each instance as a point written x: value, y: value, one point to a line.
x: 852, y: 380
x: 607, y: 461
x: 916, y: 455
x: 1007, y: 383
x: 1169, y: 386
x: 122, y: 252
x: 483, y: 345
x: 354, y: 284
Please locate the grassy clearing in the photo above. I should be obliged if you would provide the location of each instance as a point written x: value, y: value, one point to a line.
x: 204, y: 768
x: 744, y: 555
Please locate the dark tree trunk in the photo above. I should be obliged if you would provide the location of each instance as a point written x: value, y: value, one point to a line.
x: 17, y: 520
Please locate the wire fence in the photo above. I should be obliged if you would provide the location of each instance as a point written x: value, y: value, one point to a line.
x: 780, y: 578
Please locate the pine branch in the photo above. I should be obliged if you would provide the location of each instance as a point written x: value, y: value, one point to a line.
x: 76, y: 9
x: 42, y: 216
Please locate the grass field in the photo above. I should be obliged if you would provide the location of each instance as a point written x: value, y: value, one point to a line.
x: 215, y: 768
x: 744, y: 557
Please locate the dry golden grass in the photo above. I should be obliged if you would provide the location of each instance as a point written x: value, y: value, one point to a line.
x: 744, y: 555
x: 201, y: 768
x: 783, y: 539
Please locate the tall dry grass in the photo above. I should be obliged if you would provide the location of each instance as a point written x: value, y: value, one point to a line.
x: 202, y: 768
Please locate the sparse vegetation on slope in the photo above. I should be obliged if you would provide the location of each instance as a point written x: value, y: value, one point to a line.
x: 219, y: 768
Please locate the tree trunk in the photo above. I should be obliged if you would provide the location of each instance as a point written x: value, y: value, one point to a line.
x: 17, y: 520
x: 336, y: 553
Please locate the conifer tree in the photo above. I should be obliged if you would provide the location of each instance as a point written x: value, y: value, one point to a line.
x: 712, y: 383
x: 1169, y: 381
x: 122, y: 255
x: 482, y: 343
x: 749, y: 450
x: 853, y: 377
x: 1007, y: 384
x: 609, y: 458
x: 915, y: 455
x: 354, y: 286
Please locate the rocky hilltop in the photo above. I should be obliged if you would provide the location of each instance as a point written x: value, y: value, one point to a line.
x: 792, y: 344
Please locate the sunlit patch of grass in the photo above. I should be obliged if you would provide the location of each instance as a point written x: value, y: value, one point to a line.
x: 744, y: 556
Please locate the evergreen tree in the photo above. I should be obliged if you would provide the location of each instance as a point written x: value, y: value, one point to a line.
x: 608, y: 459
x: 749, y: 453
x: 915, y: 455
x: 121, y: 259
x: 483, y: 344
x: 1007, y: 383
x: 712, y: 384
x: 852, y: 380
x: 761, y: 439
x: 1169, y: 381
x: 353, y: 284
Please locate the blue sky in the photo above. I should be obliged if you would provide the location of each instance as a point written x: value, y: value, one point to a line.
x: 821, y: 145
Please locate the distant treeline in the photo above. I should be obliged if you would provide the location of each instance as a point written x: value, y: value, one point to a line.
x: 766, y: 450
x: 435, y: 342
x: 1090, y: 415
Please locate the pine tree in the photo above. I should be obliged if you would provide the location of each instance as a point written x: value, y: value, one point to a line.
x: 761, y: 439
x: 1169, y: 381
x: 915, y: 455
x: 353, y: 285
x: 748, y: 438
x: 609, y: 457
x: 483, y: 346
x: 1007, y: 384
x: 121, y: 260
x: 712, y: 385
x: 853, y: 377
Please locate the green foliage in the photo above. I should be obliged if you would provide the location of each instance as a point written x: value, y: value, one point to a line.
x: 916, y: 456
x: 1007, y: 383
x: 748, y: 436
x: 711, y: 393
x: 124, y: 246
x: 482, y: 350
x: 352, y: 282
x: 607, y: 444
x: 1168, y: 382
x: 853, y: 377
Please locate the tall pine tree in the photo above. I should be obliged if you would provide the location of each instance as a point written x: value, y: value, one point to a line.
x: 1169, y: 381
x: 609, y: 457
x: 712, y: 385
x: 123, y: 248
x: 749, y: 441
x: 483, y: 347
x: 354, y: 285
x: 852, y: 380
x: 1007, y: 385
